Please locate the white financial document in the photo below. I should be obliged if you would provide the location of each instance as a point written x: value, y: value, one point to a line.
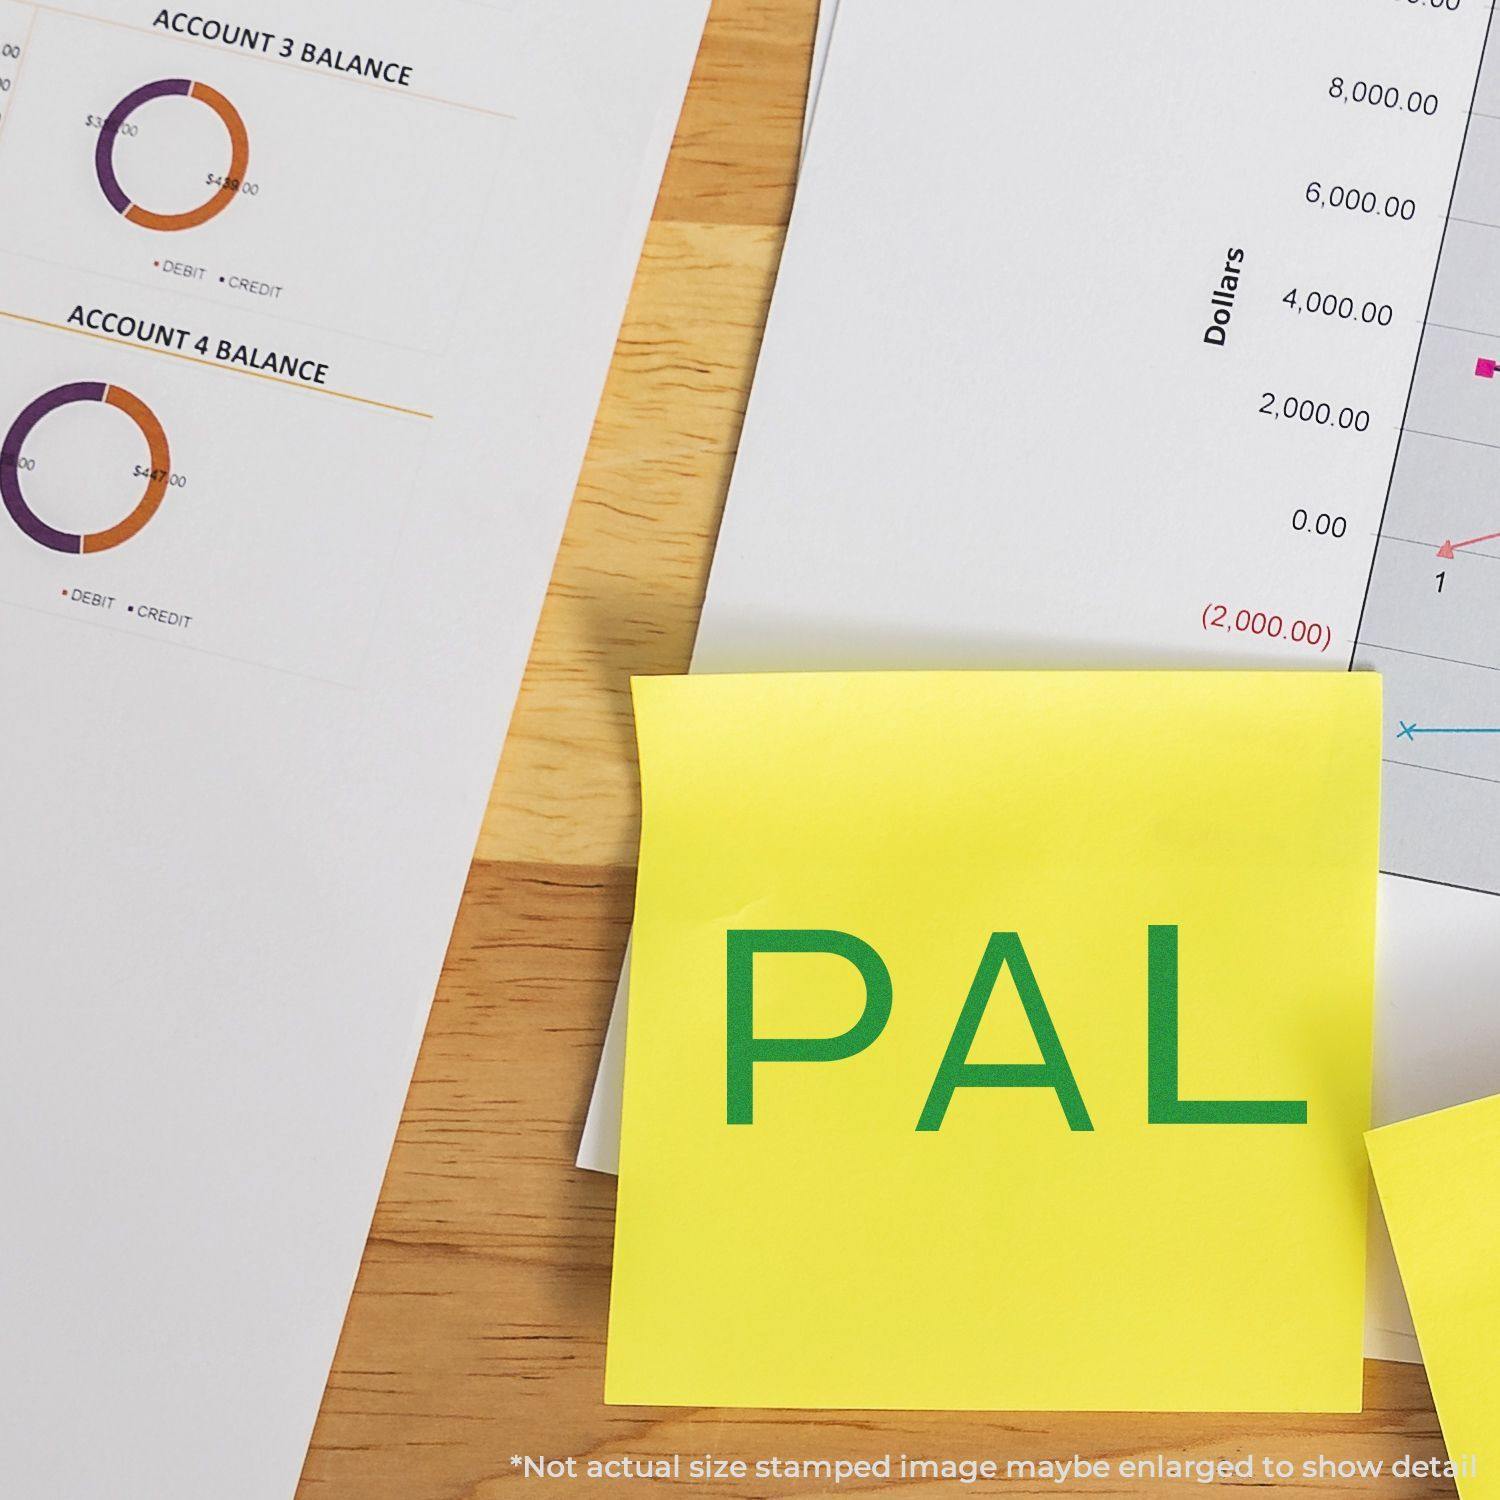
x: 305, y: 309
x: 827, y: 14
x: 1120, y: 337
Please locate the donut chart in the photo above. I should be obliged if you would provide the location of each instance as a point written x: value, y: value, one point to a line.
x: 167, y: 88
x: 79, y: 543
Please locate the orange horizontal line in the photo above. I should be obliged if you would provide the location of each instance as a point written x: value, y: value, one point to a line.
x: 284, y: 62
x: 213, y: 364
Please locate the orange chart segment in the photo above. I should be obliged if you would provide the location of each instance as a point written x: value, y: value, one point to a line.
x: 156, y: 486
x: 167, y: 88
x: 19, y: 508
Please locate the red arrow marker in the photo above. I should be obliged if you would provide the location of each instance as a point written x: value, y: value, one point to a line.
x: 1448, y: 549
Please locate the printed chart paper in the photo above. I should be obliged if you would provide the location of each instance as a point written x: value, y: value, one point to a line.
x: 1440, y: 1191
x: 999, y: 1041
x: 305, y: 309
x: 827, y: 15
x: 1101, y: 356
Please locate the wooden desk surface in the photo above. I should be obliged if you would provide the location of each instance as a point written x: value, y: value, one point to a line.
x: 477, y: 1329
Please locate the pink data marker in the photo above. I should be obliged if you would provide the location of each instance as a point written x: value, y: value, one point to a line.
x: 1485, y: 369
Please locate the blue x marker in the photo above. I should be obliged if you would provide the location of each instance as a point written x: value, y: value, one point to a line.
x: 1411, y: 731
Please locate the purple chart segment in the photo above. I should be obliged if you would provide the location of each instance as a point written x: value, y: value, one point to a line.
x: 229, y: 185
x: 157, y: 475
x: 10, y: 465
x: 104, y: 152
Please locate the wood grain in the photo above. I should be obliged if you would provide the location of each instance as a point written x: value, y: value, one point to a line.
x: 630, y: 576
x: 477, y: 1329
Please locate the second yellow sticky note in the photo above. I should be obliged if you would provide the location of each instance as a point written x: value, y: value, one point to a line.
x: 999, y: 1041
x: 1439, y: 1180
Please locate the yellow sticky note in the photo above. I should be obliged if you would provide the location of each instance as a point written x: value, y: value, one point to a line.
x: 1439, y: 1182
x: 999, y: 1041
